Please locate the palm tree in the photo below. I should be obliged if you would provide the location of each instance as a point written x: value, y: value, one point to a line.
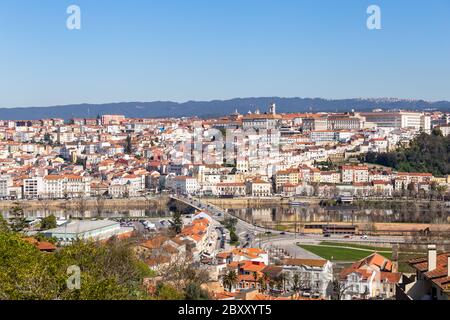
x: 230, y: 279
x: 255, y: 277
x: 262, y: 285
x: 264, y: 282
x: 296, y: 283
x: 281, y: 281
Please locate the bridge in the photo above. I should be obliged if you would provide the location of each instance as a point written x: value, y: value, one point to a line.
x: 288, y: 241
x: 247, y: 232
x: 190, y: 202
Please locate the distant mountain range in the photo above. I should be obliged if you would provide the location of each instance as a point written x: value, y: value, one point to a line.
x: 206, y: 109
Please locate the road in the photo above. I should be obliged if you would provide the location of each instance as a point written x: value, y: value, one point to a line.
x: 246, y: 231
x: 289, y: 246
x: 287, y: 241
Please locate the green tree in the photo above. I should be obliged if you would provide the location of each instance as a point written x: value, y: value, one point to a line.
x: 3, y: 225
x: 109, y: 271
x: 25, y: 273
x: 230, y: 279
x: 128, y: 145
x: 230, y: 223
x: 234, y: 238
x: 48, y: 222
x: 296, y: 282
x: 427, y: 153
x: 177, y: 225
x: 194, y: 291
x: 18, y: 221
x: 48, y: 138
x: 167, y: 292
x: 262, y: 284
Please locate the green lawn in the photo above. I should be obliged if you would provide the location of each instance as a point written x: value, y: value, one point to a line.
x: 344, y: 254
x: 340, y: 254
x: 354, y: 245
x: 403, y: 258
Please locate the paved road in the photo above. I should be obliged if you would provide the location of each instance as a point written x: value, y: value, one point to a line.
x: 247, y: 232
x: 291, y: 247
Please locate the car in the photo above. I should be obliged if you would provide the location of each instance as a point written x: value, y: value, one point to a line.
x: 347, y: 237
x: 364, y: 237
x: 283, y: 233
x: 327, y: 235
x: 306, y: 294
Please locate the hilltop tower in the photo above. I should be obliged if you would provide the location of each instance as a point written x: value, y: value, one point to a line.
x: 273, y: 109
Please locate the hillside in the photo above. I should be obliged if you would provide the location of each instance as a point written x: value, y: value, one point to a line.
x: 426, y: 154
x: 214, y: 108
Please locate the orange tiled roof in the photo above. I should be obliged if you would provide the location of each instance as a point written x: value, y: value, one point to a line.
x: 439, y: 275
x: 154, y: 243
x: 252, y: 266
x: 305, y: 262
x: 374, y: 259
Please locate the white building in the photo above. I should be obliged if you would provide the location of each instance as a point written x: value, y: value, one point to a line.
x: 186, y: 185
x: 61, y: 186
x: 405, y: 120
x: 5, y: 185
x: 259, y: 188
x: 372, y: 277
x: 314, y: 276
x: 33, y: 187
x: 87, y: 230
x: 355, y: 174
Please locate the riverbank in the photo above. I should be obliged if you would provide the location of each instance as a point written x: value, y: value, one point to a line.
x: 253, y: 202
x: 159, y: 203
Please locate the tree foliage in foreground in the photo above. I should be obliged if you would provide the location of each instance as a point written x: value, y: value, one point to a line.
x: 426, y: 154
x: 108, y: 271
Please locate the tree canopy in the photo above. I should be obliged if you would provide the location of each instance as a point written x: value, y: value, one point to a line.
x: 425, y: 154
x: 108, y: 271
x: 48, y: 222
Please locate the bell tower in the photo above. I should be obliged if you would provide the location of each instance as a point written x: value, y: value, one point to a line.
x: 273, y: 109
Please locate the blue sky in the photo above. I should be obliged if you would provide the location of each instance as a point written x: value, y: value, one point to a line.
x: 179, y: 50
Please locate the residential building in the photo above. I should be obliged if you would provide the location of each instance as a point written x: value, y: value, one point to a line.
x: 314, y: 275
x: 432, y: 279
x: 371, y: 278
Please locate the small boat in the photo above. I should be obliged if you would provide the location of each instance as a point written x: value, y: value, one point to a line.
x: 297, y: 204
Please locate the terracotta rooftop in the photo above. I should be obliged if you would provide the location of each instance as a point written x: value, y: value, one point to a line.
x: 439, y: 275
x: 305, y: 262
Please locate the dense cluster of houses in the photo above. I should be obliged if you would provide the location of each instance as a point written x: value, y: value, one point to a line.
x: 257, y: 276
x: 257, y: 154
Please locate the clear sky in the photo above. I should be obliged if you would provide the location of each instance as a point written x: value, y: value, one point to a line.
x: 179, y: 50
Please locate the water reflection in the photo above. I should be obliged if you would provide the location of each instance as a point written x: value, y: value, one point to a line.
x: 346, y: 214
x: 65, y: 214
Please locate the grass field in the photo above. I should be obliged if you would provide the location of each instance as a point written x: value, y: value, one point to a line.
x: 354, y: 245
x: 329, y: 251
x: 340, y: 254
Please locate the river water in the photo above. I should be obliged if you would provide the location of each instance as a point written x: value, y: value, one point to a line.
x: 277, y: 214
x: 347, y: 214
